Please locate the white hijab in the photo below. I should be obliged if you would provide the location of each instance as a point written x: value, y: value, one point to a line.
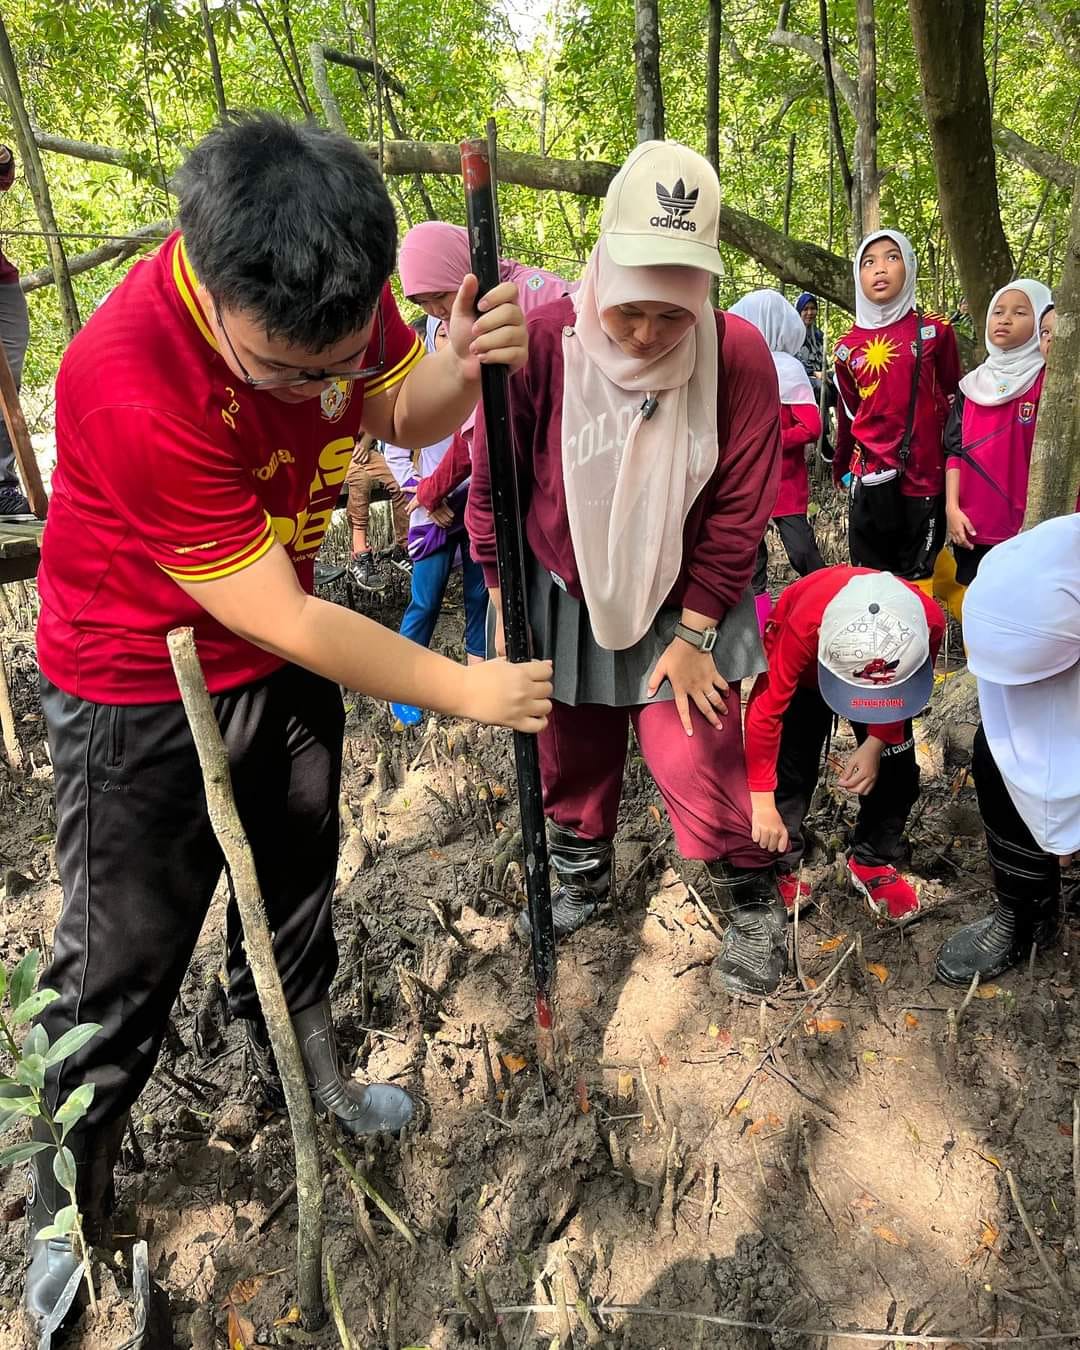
x: 630, y: 481
x: 1004, y: 376
x: 1022, y: 632
x: 868, y: 313
x: 781, y: 325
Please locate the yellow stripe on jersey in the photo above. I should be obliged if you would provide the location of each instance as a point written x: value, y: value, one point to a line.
x: 388, y: 378
x: 182, y: 276
x: 223, y: 567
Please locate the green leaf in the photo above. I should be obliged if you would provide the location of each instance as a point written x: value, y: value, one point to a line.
x: 71, y: 1041
x: 47, y: 1233
x: 14, y: 1108
x: 30, y: 1007
x: 24, y: 977
x: 63, y: 1167
x: 37, y: 1042
x: 19, y: 1153
x: 3, y: 980
x: 64, y: 1219
x: 31, y: 1071
x: 75, y: 1106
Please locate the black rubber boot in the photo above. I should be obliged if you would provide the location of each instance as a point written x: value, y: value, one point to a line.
x: 1027, y: 909
x: 583, y: 868
x: 53, y: 1261
x: 753, y: 959
x: 357, y: 1109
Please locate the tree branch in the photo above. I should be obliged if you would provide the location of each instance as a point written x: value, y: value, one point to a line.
x: 799, y: 42
x: 118, y: 249
x: 1045, y: 163
x: 331, y: 108
x: 366, y: 67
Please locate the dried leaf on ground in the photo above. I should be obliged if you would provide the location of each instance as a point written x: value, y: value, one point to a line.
x: 987, y: 1157
x: 831, y: 944
x: 514, y: 1063
x: 581, y: 1094
x: 910, y: 1021
x: 824, y: 1026
x: 654, y: 811
x: 882, y: 972
x: 243, y: 1291
x: 887, y: 1235
x: 625, y: 1089
x: 289, y: 1319
x: 987, y: 991
x: 241, y: 1331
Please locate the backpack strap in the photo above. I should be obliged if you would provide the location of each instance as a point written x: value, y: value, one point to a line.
x: 905, y: 444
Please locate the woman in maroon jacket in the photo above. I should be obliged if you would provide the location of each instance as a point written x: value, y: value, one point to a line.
x: 647, y: 428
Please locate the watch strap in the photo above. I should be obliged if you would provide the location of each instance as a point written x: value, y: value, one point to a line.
x: 703, y: 640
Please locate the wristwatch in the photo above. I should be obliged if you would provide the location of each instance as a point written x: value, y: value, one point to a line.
x: 703, y: 641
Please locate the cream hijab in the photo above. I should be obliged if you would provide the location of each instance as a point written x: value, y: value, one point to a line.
x: 630, y: 481
x: 868, y: 313
x: 1004, y: 376
x: 779, y: 323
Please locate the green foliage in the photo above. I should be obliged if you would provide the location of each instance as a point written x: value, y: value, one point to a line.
x: 559, y: 79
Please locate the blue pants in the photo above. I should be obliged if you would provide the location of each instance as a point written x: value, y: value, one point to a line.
x: 429, y: 578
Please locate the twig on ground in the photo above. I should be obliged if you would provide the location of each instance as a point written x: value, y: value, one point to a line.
x: 1033, y: 1237
x: 487, y: 1312
x: 335, y: 1307
x: 566, y: 1336
x: 359, y: 1180
x: 795, y: 935
x: 659, y: 1115
x: 647, y: 858
x: 1076, y: 1164
x: 665, y: 1214
x: 468, y: 1308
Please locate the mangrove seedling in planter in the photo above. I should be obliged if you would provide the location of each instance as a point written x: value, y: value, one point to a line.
x: 22, y: 1093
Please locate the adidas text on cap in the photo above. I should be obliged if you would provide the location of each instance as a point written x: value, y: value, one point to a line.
x: 663, y: 209
x: 874, y: 661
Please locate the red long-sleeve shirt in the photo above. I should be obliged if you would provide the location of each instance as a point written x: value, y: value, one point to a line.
x: 791, y: 649
x: 725, y: 523
x: 875, y: 368
x: 800, y: 423
x: 454, y: 467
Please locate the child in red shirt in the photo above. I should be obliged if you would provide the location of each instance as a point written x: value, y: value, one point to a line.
x: 857, y: 644
x: 991, y: 428
x: 891, y: 439
x: 779, y: 323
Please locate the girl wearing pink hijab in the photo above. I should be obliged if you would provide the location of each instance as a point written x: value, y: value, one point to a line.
x: 433, y: 261
x: 647, y: 428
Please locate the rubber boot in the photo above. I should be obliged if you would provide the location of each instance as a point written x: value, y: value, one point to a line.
x: 357, y: 1109
x: 1027, y: 907
x: 753, y: 959
x: 53, y: 1261
x: 583, y: 868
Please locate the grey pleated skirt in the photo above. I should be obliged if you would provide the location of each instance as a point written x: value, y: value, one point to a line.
x: 585, y: 672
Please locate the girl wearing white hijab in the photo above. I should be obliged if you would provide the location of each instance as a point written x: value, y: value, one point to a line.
x: 782, y: 327
x: 991, y: 428
x: 647, y: 429
x: 897, y: 372
x: 1022, y: 631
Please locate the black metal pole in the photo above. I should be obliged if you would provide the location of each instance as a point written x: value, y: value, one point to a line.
x: 476, y: 171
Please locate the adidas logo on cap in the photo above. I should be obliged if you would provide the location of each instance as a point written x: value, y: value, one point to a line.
x: 677, y: 204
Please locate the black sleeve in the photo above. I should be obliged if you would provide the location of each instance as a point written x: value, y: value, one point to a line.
x: 954, y: 429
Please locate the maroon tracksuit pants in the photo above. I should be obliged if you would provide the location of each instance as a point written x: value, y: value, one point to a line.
x: 702, y: 778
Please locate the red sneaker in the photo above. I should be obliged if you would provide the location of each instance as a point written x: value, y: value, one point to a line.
x: 793, y: 892
x: 887, y: 893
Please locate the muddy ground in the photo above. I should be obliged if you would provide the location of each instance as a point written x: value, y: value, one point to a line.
x: 852, y: 1176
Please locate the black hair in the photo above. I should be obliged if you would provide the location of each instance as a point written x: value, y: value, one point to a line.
x: 289, y: 223
x: 419, y: 325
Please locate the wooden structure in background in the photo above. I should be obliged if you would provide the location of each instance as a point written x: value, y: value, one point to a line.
x: 20, y: 542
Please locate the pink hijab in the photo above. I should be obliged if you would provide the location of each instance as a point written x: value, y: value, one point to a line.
x: 631, y: 480
x: 434, y: 258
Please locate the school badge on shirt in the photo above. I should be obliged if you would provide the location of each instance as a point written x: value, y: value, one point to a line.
x: 1026, y: 414
x: 334, y: 399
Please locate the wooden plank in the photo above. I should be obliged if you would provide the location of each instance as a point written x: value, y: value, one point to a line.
x: 20, y: 440
x: 20, y: 550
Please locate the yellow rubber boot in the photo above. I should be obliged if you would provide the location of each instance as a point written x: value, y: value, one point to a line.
x: 945, y: 586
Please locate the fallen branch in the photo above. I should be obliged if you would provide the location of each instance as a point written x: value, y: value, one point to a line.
x: 1033, y: 1237
x: 229, y: 831
x: 361, y: 1182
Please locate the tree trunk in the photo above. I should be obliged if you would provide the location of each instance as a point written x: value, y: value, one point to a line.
x: 1055, y: 457
x: 949, y: 48
x: 648, y: 91
x: 39, y: 187
x: 712, y: 103
x: 789, y: 182
x: 866, y: 125
x: 323, y: 92
x: 792, y: 261
x: 834, y: 118
x: 215, y: 63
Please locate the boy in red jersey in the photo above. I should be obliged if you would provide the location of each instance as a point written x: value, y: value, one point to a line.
x: 897, y: 372
x: 853, y: 643
x: 206, y: 416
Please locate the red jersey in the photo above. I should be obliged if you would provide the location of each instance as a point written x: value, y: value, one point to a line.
x: 791, y: 648
x: 875, y: 368
x: 800, y: 425
x: 169, y: 468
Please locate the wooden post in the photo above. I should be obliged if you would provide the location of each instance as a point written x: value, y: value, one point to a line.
x: 20, y: 440
x: 7, y: 721
x: 39, y: 187
x: 229, y: 831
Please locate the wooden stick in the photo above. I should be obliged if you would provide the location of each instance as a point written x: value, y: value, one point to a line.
x: 20, y: 439
x: 359, y: 1180
x: 1033, y: 1237
x: 229, y: 831
x: 1076, y: 1164
x: 7, y: 720
x: 335, y: 1305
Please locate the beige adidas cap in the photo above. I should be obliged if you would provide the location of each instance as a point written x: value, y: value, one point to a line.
x: 663, y: 209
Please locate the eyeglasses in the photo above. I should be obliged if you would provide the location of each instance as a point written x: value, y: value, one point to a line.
x: 306, y: 376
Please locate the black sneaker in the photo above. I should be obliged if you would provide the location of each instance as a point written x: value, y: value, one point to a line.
x: 364, y: 570
x: 12, y: 501
x: 400, y: 559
